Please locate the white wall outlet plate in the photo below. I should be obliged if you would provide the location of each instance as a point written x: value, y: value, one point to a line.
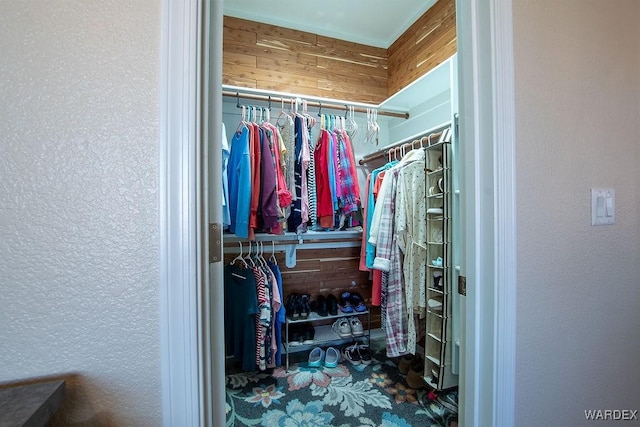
x: 603, y: 206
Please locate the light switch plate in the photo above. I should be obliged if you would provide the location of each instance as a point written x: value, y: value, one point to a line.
x: 603, y: 206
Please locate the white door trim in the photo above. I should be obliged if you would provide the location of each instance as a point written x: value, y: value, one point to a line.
x: 485, y: 43
x: 486, y: 61
x: 504, y: 150
x: 180, y: 220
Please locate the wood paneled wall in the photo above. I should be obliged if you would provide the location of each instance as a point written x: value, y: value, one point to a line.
x: 323, y: 272
x: 427, y: 43
x: 263, y: 56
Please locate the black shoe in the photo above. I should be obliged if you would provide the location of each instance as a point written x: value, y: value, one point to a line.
x: 295, y: 335
x: 308, y: 334
x: 289, y: 306
x: 305, y: 306
x: 332, y: 305
x: 293, y: 306
x: 351, y: 354
x: 320, y: 306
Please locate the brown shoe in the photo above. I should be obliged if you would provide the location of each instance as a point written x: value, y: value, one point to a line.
x: 405, y: 363
x: 415, y: 375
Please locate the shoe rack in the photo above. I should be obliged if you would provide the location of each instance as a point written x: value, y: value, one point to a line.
x: 324, y: 333
x: 439, y: 345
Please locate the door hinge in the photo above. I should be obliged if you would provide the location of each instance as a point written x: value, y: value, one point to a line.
x: 462, y: 285
x: 215, y: 243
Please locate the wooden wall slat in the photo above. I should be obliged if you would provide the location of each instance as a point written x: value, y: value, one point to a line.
x: 236, y: 34
x: 283, y: 78
x: 290, y: 67
x: 426, y: 44
x: 339, y: 68
x: 408, y: 38
x: 240, y: 81
x: 240, y: 59
x: 299, y: 62
x: 302, y: 58
x: 279, y: 33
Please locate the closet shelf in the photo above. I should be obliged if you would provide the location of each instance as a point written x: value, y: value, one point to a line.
x: 314, y: 317
x: 309, y: 236
x: 290, y: 243
x: 435, y: 360
x: 436, y: 145
x: 435, y: 337
x: 324, y: 336
x: 433, y: 313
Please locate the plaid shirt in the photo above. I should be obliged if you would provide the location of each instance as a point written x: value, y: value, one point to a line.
x: 396, y: 319
x: 382, y: 228
x: 349, y: 190
x: 388, y: 259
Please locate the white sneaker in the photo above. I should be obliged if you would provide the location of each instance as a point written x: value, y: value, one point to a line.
x: 356, y: 327
x: 342, y: 328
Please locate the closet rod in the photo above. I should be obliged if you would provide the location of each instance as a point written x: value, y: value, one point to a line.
x: 383, y: 152
x: 331, y: 106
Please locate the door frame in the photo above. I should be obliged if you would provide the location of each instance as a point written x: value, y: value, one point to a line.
x: 488, y: 208
x: 487, y: 134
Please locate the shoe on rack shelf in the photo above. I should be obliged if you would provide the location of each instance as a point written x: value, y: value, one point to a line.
x: 351, y: 354
x: 437, y: 279
x: 308, y: 333
x: 342, y: 328
x: 293, y: 306
x: 295, y: 335
x: 332, y: 305
x: 434, y: 304
x: 332, y: 358
x: 316, y: 357
x: 320, y: 306
x: 357, y: 302
x: 345, y: 303
x: 356, y: 327
x: 305, y: 306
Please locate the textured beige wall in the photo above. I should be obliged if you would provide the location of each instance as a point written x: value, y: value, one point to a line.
x: 577, y: 82
x: 79, y: 244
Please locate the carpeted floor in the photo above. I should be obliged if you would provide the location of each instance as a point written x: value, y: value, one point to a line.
x: 374, y: 395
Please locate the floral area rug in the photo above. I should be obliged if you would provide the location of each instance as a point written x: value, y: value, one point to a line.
x: 374, y: 395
